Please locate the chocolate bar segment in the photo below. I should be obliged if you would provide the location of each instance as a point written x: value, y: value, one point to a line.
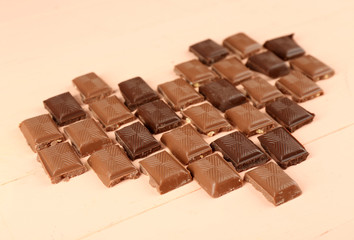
x: 165, y: 172
x: 208, y: 51
x: 284, y: 47
x: 242, y: 45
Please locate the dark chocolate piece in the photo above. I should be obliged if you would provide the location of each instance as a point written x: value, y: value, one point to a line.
x: 240, y: 151
x: 283, y: 147
x: 284, y: 47
x: 222, y: 94
x: 242, y: 45
x: 41, y: 132
x: 137, y: 140
x: 112, y: 165
x: 273, y: 183
x: 64, y: 109
x: 215, y: 175
x: 165, y: 172
x: 208, y: 51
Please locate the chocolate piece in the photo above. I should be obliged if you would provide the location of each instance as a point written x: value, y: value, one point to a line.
x: 242, y: 45
x: 300, y: 87
x: 60, y: 162
x: 269, y: 64
x: 284, y: 47
x: 186, y: 144
x: 112, y: 165
x: 261, y: 92
x: 274, y: 183
x: 195, y: 72
x: 165, y: 172
x: 283, y: 147
x: 137, y: 141
x: 249, y: 119
x: 207, y: 119
x: 208, y: 51
x: 64, y: 109
x: 41, y: 132
x: 136, y: 92
x: 158, y: 117
x: 111, y: 113
x: 179, y: 94
x: 232, y: 70
x: 312, y: 67
x: 289, y: 114
x: 215, y: 175
x: 222, y: 94
x: 240, y: 151
x: 92, y: 87
x: 87, y: 137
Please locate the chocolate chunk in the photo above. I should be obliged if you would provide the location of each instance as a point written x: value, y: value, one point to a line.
x: 179, y: 94
x: 111, y: 112
x: 274, y: 183
x: 165, y: 172
x: 283, y: 147
x: 64, y: 109
x: 284, y: 47
x: 232, y: 70
x: 312, y: 67
x: 240, y: 151
x: 186, y: 144
x: 299, y: 87
x: 242, y: 45
x: 60, y: 162
x: 289, y: 114
x: 87, y: 137
x: 215, y: 175
x: 92, y: 87
x: 137, y: 141
x: 195, y: 72
x: 158, y: 117
x: 208, y: 51
x: 136, y: 92
x: 112, y: 165
x: 222, y: 94
x: 41, y: 132
x: 269, y: 64
x: 261, y: 91
x: 207, y: 119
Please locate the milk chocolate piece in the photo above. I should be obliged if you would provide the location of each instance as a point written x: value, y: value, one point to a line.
x: 273, y: 183
x: 87, y: 137
x: 312, y: 67
x: 298, y: 86
x: 261, y: 91
x: 92, y: 87
x: 41, y: 132
x: 242, y: 45
x: 111, y: 113
x: 186, y: 144
x: 136, y: 92
x: 240, y: 151
x: 249, y: 119
x: 195, y: 72
x: 179, y: 94
x: 232, y: 70
x: 289, y: 114
x: 137, y: 141
x: 64, y: 109
x: 158, y: 117
x: 215, y: 175
x: 112, y: 165
x: 207, y: 119
x: 222, y: 94
x: 61, y: 162
x: 269, y: 64
x: 165, y: 172
x: 208, y: 51
x: 284, y: 47
x: 283, y: 147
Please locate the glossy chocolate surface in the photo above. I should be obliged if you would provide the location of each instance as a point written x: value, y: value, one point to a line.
x: 208, y: 51
x: 284, y: 47
x: 242, y: 45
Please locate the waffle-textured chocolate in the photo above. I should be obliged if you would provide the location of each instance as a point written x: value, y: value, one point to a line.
x: 208, y: 51
x: 284, y: 47
x: 242, y: 45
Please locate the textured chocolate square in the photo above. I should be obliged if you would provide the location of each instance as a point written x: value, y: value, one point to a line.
x: 242, y: 45
x: 284, y: 47
x: 208, y: 51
